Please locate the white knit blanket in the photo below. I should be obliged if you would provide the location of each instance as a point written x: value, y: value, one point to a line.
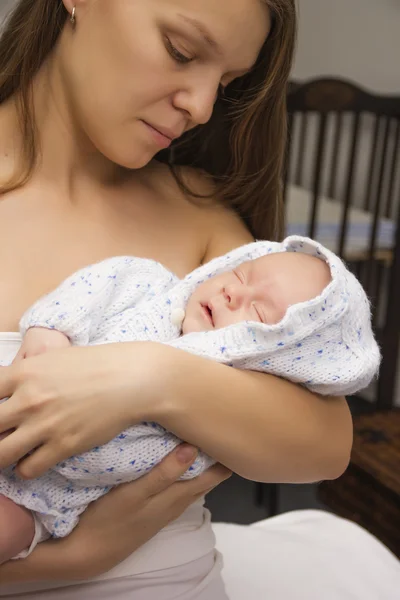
x: 326, y: 344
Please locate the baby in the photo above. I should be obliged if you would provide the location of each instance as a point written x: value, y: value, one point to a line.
x: 260, y: 290
x: 291, y: 309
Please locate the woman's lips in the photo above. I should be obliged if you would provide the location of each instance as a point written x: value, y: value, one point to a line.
x: 161, y: 139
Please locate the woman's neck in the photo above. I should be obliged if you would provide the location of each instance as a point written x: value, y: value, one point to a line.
x: 66, y: 155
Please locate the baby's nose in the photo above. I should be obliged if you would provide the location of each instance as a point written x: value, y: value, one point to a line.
x: 234, y: 295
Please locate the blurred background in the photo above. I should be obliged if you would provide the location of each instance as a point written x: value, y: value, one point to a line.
x: 354, y: 39
x: 342, y: 186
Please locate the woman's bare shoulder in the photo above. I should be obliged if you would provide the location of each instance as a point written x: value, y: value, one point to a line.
x: 226, y: 228
x: 219, y: 227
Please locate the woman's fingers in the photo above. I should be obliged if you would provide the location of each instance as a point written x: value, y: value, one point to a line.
x: 16, y: 444
x: 36, y: 464
x: 42, y: 459
x: 200, y: 486
x: 7, y: 382
x: 165, y: 477
x: 20, y: 355
x: 8, y: 419
x: 170, y: 503
x: 124, y: 519
x: 210, y: 479
x: 169, y: 470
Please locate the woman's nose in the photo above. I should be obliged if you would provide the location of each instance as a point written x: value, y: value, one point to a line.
x: 197, y: 101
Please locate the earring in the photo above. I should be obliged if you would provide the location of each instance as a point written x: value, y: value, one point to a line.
x: 73, y: 20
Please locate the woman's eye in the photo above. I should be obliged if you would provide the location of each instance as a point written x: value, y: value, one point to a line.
x: 176, y: 55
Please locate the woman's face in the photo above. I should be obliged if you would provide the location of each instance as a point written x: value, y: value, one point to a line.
x: 138, y: 73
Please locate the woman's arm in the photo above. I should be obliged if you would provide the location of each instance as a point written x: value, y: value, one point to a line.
x: 117, y: 524
x: 262, y: 427
x: 65, y: 402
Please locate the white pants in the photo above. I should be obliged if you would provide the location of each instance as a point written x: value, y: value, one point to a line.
x: 306, y: 555
x: 199, y: 580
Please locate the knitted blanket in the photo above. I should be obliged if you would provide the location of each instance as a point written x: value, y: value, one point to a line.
x: 326, y: 344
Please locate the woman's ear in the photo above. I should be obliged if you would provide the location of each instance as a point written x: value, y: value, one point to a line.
x: 75, y: 8
x: 71, y: 4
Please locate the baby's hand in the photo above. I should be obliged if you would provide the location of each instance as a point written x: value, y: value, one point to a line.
x: 39, y: 340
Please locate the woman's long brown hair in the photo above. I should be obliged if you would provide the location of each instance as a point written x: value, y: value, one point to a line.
x: 242, y: 147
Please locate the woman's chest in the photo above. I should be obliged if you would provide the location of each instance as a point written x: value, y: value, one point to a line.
x: 40, y: 248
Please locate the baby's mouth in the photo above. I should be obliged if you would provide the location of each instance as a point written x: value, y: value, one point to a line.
x: 208, y: 313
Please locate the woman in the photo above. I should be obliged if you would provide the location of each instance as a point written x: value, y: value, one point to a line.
x: 90, y: 92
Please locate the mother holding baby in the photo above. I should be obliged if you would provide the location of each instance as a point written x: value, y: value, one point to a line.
x: 97, y: 99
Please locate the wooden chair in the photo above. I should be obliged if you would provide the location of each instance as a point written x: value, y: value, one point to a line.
x: 342, y: 183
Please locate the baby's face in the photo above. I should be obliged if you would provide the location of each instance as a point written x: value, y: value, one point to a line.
x: 259, y: 290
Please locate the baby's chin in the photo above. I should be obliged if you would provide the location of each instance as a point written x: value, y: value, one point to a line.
x: 186, y: 328
x: 191, y: 325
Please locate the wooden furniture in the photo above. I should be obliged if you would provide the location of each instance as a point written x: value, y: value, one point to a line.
x: 343, y: 165
x: 342, y: 187
x: 359, y: 222
x: 369, y: 492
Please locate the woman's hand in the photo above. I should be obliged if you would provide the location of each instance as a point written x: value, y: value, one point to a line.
x: 38, y: 340
x: 118, y: 523
x: 65, y: 402
x: 68, y: 401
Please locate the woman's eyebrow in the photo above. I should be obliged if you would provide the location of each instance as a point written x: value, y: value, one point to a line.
x: 204, y: 32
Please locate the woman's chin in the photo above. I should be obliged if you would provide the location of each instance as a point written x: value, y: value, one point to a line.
x: 133, y: 162
x: 126, y: 158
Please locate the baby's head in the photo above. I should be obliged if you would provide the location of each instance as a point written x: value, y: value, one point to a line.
x: 258, y: 290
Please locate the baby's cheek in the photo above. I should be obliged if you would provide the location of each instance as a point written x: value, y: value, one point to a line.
x: 239, y: 316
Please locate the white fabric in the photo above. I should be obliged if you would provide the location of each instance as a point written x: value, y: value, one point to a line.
x: 187, y: 539
x: 41, y: 534
x: 196, y: 580
x: 101, y: 303
x: 326, y: 343
x: 306, y: 555
x: 303, y: 555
